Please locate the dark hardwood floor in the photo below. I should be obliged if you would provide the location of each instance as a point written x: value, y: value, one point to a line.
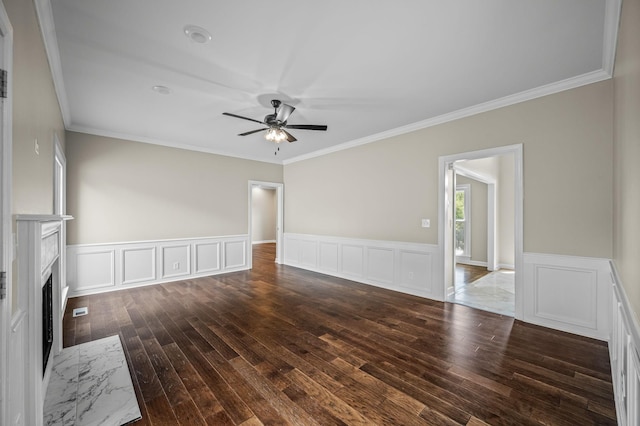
x: 280, y: 345
x: 466, y: 274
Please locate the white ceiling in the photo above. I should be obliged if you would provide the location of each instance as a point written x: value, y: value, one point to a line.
x: 364, y: 68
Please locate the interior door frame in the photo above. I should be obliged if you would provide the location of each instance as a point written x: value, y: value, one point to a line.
x: 279, y: 187
x: 6, y: 258
x: 445, y: 164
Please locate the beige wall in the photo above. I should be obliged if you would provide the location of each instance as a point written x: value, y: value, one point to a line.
x: 626, y: 249
x: 36, y: 114
x: 129, y: 191
x: 264, y: 214
x: 478, y: 217
x: 381, y: 190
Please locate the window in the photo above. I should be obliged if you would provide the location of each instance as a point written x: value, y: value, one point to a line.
x: 463, y: 221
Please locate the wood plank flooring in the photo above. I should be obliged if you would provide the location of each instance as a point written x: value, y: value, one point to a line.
x: 280, y: 345
x: 466, y: 274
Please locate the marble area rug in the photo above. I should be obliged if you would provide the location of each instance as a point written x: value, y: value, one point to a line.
x: 90, y: 385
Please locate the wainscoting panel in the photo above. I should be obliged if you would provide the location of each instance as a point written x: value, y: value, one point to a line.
x: 415, y: 268
x: 328, y: 256
x: 309, y: 254
x: 624, y: 353
x: 568, y: 293
x: 380, y: 265
x: 96, y: 268
x: 235, y: 254
x: 207, y: 258
x: 138, y: 265
x: 93, y: 268
x: 404, y: 267
x: 176, y: 261
x: 353, y: 260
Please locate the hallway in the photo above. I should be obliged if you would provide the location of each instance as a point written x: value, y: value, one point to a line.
x: 479, y: 288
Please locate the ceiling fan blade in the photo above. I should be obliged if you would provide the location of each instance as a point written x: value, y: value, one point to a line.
x: 306, y: 126
x: 290, y: 137
x: 252, y: 132
x: 284, y: 111
x: 239, y: 116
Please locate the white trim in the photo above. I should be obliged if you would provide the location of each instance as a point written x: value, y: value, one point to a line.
x: 170, y: 144
x: 102, y: 267
x: 262, y: 242
x: 538, y: 92
x: 279, y: 187
x: 568, y: 293
x: 443, y: 163
x: 48, y: 30
x: 60, y: 191
x: 505, y: 266
x: 611, y: 21
x: 613, y: 8
x: 621, y: 296
x: 400, y: 266
x: 470, y: 262
x: 624, y: 353
x: 6, y: 159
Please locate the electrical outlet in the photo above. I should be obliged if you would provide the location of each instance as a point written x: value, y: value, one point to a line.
x: 426, y: 223
x: 36, y: 146
x: 410, y: 275
x: 176, y: 266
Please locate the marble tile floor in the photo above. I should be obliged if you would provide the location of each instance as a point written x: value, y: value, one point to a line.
x: 494, y: 292
x: 90, y: 385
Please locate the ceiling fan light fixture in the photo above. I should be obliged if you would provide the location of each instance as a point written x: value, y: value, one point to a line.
x: 197, y: 34
x: 276, y: 135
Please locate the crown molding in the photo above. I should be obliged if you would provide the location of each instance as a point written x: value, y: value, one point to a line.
x: 48, y: 30
x: 611, y: 24
x: 549, y: 89
x: 169, y: 144
x: 613, y: 9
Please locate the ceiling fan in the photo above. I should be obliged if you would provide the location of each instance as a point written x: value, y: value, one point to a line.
x: 277, y: 123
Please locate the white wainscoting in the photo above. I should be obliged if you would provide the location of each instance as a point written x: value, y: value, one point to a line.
x: 96, y: 268
x: 406, y: 267
x: 568, y: 293
x: 624, y: 352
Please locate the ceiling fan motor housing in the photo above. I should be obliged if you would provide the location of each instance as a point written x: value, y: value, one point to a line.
x: 271, y: 120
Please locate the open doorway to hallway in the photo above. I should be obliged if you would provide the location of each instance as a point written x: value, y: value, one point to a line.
x: 266, y: 216
x: 482, y: 229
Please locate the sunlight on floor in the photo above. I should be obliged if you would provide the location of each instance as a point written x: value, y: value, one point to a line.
x: 494, y: 292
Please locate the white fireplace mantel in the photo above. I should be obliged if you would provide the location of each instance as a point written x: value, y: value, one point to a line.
x: 41, y: 248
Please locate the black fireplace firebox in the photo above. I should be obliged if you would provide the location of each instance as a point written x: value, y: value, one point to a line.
x: 47, y: 322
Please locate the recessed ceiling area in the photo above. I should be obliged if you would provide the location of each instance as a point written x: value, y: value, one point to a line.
x: 364, y: 68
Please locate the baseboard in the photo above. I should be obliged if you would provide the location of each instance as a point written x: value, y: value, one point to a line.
x: 624, y: 352
x: 467, y: 261
x: 98, y: 268
x: 405, y: 267
x: 263, y: 242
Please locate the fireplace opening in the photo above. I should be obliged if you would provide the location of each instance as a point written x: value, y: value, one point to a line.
x: 47, y: 322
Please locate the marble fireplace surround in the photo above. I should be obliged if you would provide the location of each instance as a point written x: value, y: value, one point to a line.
x: 40, y: 241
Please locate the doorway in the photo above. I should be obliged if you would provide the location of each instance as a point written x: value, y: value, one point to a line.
x: 266, y: 216
x: 480, y: 229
